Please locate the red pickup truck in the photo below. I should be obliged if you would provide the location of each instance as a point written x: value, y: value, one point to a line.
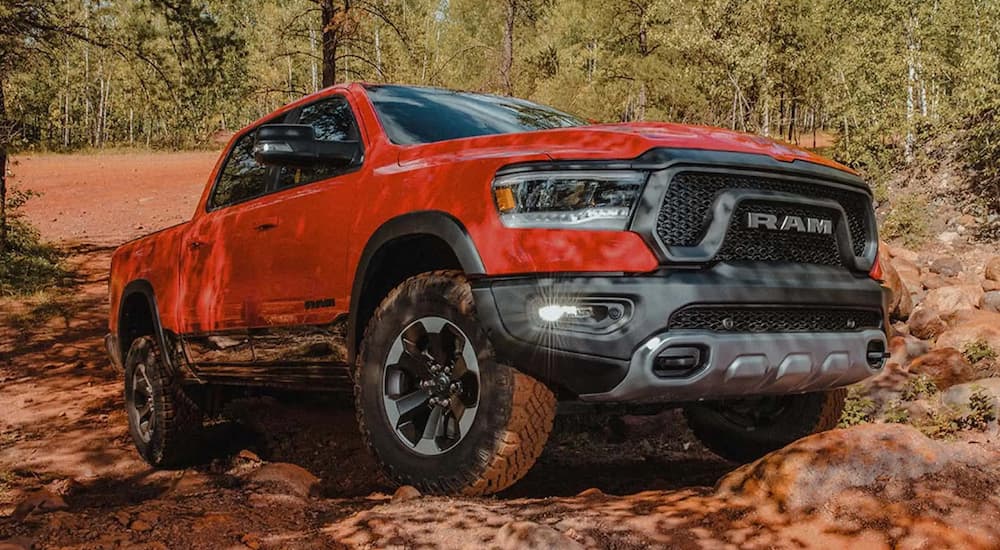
x: 463, y: 262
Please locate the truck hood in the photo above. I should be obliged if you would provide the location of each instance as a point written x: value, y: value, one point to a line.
x: 608, y: 142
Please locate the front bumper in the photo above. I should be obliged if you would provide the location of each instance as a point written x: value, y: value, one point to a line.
x: 617, y: 365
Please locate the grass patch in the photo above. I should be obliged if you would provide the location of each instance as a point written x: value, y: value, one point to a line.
x: 907, y: 220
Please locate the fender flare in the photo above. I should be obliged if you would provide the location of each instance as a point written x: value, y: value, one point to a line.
x: 434, y: 223
x: 144, y: 288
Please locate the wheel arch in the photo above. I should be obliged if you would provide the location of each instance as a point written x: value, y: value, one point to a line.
x: 139, y: 315
x: 400, y: 248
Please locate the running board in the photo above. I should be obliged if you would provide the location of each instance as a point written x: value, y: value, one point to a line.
x: 301, y: 375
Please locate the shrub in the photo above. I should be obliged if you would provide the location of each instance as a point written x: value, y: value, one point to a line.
x: 977, y: 351
x: 27, y: 265
x: 907, y: 220
x: 917, y: 387
x: 858, y: 409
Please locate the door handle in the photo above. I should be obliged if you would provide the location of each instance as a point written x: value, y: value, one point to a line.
x: 266, y: 224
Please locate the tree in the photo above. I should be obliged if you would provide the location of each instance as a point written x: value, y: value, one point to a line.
x: 26, y: 27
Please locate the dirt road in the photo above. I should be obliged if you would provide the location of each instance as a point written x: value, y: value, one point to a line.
x: 70, y: 479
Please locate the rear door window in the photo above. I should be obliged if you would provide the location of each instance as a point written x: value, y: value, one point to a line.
x: 242, y: 177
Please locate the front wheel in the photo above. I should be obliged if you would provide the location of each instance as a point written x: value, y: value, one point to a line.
x: 744, y: 430
x: 434, y: 406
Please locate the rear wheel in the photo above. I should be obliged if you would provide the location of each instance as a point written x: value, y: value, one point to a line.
x: 744, y: 430
x: 434, y: 406
x: 163, y: 420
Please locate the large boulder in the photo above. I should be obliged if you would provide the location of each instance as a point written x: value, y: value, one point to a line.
x: 807, y: 473
x: 970, y: 327
x: 993, y: 269
x: 529, y: 535
x: 949, y: 300
x: 909, y: 272
x: 991, y: 301
x: 900, y: 305
x: 925, y: 323
x: 945, y: 367
x: 947, y: 266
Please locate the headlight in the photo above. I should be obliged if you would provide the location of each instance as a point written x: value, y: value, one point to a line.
x: 598, y: 199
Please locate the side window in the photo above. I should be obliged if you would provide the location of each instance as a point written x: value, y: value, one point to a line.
x: 332, y: 120
x: 242, y: 176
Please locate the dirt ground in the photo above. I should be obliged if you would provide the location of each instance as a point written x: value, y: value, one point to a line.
x: 69, y: 477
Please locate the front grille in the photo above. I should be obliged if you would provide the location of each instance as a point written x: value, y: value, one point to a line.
x: 774, y: 319
x: 687, y: 207
x: 763, y: 245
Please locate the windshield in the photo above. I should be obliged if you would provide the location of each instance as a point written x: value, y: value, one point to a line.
x: 425, y: 115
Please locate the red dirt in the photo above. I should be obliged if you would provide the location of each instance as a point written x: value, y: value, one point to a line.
x: 107, y: 199
x: 63, y: 429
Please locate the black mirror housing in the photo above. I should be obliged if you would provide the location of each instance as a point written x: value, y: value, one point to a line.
x: 296, y: 145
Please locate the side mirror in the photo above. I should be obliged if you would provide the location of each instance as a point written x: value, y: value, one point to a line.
x: 296, y: 145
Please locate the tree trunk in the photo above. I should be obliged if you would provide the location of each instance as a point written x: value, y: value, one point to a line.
x: 507, y: 55
x: 331, y: 37
x: 3, y: 167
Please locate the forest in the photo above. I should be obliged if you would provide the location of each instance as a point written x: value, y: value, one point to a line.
x: 871, y: 77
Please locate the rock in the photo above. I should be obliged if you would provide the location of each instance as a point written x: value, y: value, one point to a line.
x: 518, y: 535
x: 919, y: 410
x: 971, y: 327
x: 947, y: 266
x: 993, y: 269
x: 900, y: 305
x: 808, y: 473
x: 991, y: 301
x: 903, y: 349
x: 295, y: 479
x: 958, y: 395
x: 41, y: 501
x: 966, y: 220
x: 593, y: 492
x: 948, y: 237
x: 123, y: 517
x: 945, y: 367
x: 17, y: 543
x: 251, y: 540
x: 990, y: 286
x: 932, y: 281
x: 897, y: 252
x: 248, y: 456
x: 405, y: 493
x: 949, y: 300
x: 140, y: 526
x: 148, y: 516
x: 925, y: 323
x: 909, y: 273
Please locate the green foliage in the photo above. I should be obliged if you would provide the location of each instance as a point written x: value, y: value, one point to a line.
x: 895, y: 413
x: 981, y: 411
x: 28, y: 265
x: 907, y: 220
x: 977, y: 351
x: 917, y: 387
x: 858, y: 409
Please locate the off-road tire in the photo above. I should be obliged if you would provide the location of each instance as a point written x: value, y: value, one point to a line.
x: 177, y: 423
x: 802, y: 415
x: 515, y: 411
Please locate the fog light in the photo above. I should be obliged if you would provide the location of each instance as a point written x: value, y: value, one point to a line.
x: 594, y: 315
x: 553, y: 313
